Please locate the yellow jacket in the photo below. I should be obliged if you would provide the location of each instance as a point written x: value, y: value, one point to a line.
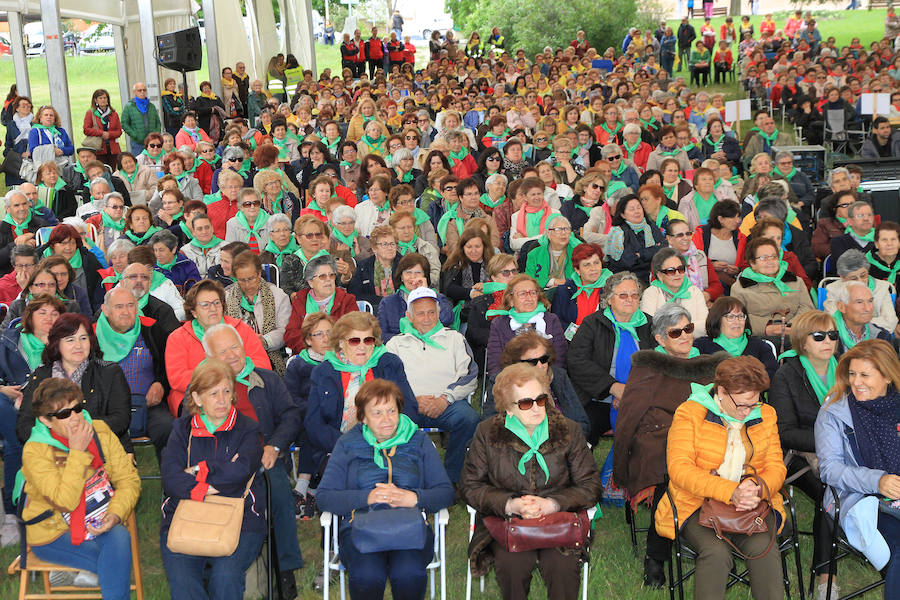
x: 696, y: 446
x: 55, y: 479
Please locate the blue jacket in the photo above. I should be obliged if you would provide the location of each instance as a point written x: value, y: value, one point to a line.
x: 756, y: 347
x: 296, y: 380
x: 393, y: 308
x: 326, y: 393
x: 362, y: 285
x: 278, y: 416
x: 352, y: 473
x: 629, y: 177
x: 14, y: 369
x: 12, y: 132
x: 183, y: 270
x: 228, y: 476
x: 37, y: 137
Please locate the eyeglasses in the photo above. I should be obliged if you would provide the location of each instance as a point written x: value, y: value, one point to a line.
x: 563, y: 229
x: 325, y: 276
x: 115, y: 206
x: 683, y: 234
x: 597, y: 186
x: 766, y: 257
x: 673, y: 270
x: 208, y: 305
x: 508, y: 272
x: 64, y: 413
x: 526, y: 294
x: 844, y: 205
x: 411, y: 137
x: 450, y: 188
x: 154, y: 145
x: 540, y: 139
x: 625, y: 296
x: 747, y: 407
x: 317, y: 235
x: 386, y: 244
x: 355, y: 341
x: 677, y: 332
x: 251, y: 204
x: 534, y: 361
x: 614, y: 158
x: 735, y: 317
x: 527, y: 403
x: 207, y: 150
x: 819, y: 336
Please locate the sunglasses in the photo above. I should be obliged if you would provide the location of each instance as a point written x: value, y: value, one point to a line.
x: 819, y: 336
x: 597, y: 186
x: 251, y: 204
x: 355, y: 341
x: 154, y: 145
x: 613, y: 158
x: 673, y: 270
x: 527, y: 403
x: 493, y: 158
x: 676, y: 333
x: 534, y: 361
x: 65, y: 413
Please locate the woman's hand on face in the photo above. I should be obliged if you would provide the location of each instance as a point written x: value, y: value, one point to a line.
x: 80, y: 434
x: 889, y: 486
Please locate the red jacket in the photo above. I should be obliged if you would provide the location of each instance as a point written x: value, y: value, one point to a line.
x: 344, y: 303
x: 91, y: 127
x: 409, y: 53
x: 203, y: 174
x: 219, y: 212
x: 640, y: 156
x: 465, y: 167
x: 374, y: 48
x: 9, y: 288
x: 184, y: 352
x: 395, y: 51
x: 723, y: 57
x: 361, y: 57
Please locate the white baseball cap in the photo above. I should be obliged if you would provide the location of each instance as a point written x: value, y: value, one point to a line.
x: 419, y: 293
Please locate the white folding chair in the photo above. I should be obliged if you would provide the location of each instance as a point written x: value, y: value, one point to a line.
x: 332, y: 560
x: 41, y: 235
x: 365, y: 306
x: 584, y: 568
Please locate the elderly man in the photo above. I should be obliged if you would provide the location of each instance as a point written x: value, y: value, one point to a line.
x: 136, y: 278
x: 860, y: 231
x: 96, y: 201
x: 31, y: 192
x: 24, y: 259
x: 137, y: 343
x: 798, y: 180
x: 17, y: 228
x: 442, y: 373
x: 139, y: 118
x: 853, y: 266
x: 261, y: 395
x: 855, y: 308
x: 764, y: 140
x: 159, y: 286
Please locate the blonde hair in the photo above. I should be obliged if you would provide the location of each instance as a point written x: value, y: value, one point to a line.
x: 804, y: 324
x: 207, y: 375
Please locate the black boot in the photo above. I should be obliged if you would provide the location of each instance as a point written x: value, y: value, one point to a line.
x: 654, y: 576
x: 288, y: 585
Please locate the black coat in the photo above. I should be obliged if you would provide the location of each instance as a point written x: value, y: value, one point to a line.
x: 106, y: 394
x: 163, y: 314
x: 756, y: 348
x: 841, y: 244
x: 792, y: 396
x: 8, y: 241
x: 801, y: 247
x: 576, y: 216
x: 636, y: 256
x: 591, y: 354
x: 362, y: 284
x: 730, y: 147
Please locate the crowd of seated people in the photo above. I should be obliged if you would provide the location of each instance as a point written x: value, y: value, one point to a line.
x: 333, y: 265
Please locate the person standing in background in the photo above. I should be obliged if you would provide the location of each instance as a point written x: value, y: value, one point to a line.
x: 139, y: 118
x: 397, y: 24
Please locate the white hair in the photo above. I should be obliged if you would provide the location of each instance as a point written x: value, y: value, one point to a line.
x: 216, y: 329
x: 842, y: 292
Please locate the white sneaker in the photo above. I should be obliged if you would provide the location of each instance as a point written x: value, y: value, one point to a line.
x: 9, y: 531
x: 823, y: 590
x: 86, y: 579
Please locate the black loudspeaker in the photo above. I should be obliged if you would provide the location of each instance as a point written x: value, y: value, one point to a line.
x: 180, y: 50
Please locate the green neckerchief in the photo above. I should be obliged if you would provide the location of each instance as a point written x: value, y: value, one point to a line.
x: 588, y: 289
x: 348, y: 164
x: 245, y: 372
x: 614, y: 131
x: 716, y: 146
x: 246, y: 304
x: 769, y: 137
x: 33, y: 348
x: 138, y: 240
x: 112, y: 279
x: 312, y: 306
x: 184, y: 229
x: 674, y: 152
x: 115, y: 345
x: 461, y: 155
x: 688, y: 147
x: 129, y: 178
x: 486, y: 200
x: 343, y: 367
x: 208, y: 245
x: 299, y: 254
x: 167, y: 266
x: 406, y: 326
x: 652, y: 123
x: 279, y: 254
x: 276, y: 203
x: 821, y: 389
x: 156, y: 280
x: 112, y: 224
x: 518, y: 317
x: 304, y: 355
x: 704, y: 205
x: 143, y: 301
x: 445, y: 222
x: 845, y: 333
x: 733, y: 346
x: 789, y: 176
x: 407, y: 247
x: 406, y: 177
x: 669, y: 191
x: 533, y: 221
x: 18, y: 229
x: 421, y: 216
x: 892, y: 271
x: 661, y: 215
x: 315, y: 206
x: 373, y: 143
x: 631, y: 149
x: 347, y: 240
x: 694, y: 353
x: 682, y: 293
x: 533, y: 441
x: 622, y: 166
x: 638, y: 319
x: 260, y: 222
x: 781, y: 286
x: 199, y: 330
x: 283, y: 151
x: 49, y: 128
x: 869, y: 237
x: 332, y: 146
x: 211, y: 198
x: 700, y: 395
x: 211, y: 427
x: 493, y: 286
x: 406, y: 428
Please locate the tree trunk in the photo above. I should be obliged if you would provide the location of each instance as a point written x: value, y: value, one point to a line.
x: 735, y: 10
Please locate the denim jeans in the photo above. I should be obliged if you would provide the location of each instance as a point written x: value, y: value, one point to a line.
x: 284, y: 520
x: 12, y: 451
x: 136, y: 148
x: 226, y: 575
x: 459, y: 420
x: 369, y: 572
x: 108, y: 555
x: 889, y: 526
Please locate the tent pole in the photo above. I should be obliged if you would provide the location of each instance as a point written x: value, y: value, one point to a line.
x: 212, y: 46
x: 121, y: 66
x: 56, y: 63
x: 20, y: 63
x: 148, y: 48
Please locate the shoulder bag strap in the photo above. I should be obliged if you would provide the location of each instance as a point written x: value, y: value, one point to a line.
x: 249, y: 483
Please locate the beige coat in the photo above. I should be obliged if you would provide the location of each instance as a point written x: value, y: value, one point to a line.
x: 885, y: 316
x: 762, y: 299
x: 654, y: 298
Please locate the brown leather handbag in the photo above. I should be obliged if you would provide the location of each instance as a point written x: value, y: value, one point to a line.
x: 557, y: 530
x: 725, y: 518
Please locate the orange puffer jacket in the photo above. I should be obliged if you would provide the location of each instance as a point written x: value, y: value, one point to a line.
x: 696, y: 446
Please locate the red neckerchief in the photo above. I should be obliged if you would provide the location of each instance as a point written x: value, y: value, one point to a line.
x: 496, y: 304
x: 587, y: 304
x: 345, y: 379
x: 77, y: 529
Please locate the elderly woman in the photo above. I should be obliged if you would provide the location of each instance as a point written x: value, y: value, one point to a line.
x: 48, y: 135
x: 531, y: 220
x: 853, y: 266
x: 263, y: 306
x: 798, y: 390
x: 73, y: 353
x: 213, y: 449
x: 699, y: 269
x: 720, y: 238
x: 550, y: 261
x: 64, y: 435
x: 695, y: 205
x: 204, y: 248
x: 153, y: 154
x: 633, y: 240
x: 883, y: 259
x: 727, y: 330
x: 495, y: 190
x: 833, y: 222
x: 250, y: 224
x: 345, y: 239
x: 402, y: 161
x: 659, y: 381
x: 139, y: 226
x: 600, y: 352
x: 54, y: 192
x: 375, y: 211
x: 176, y: 267
x: 117, y: 257
x: 405, y: 227
x: 656, y: 208
x: 501, y: 268
x: 580, y: 295
x: 706, y: 459
x: 281, y: 242
x: 173, y: 164
x: 670, y: 285
x: 524, y: 307
x: 411, y: 272
x: 139, y: 180
x: 275, y: 197
x: 529, y: 461
x: 171, y: 212
x: 321, y: 295
x: 355, y: 355
x: 373, y: 279
x: 110, y: 222
x: 767, y: 289
x: 855, y: 437
x: 403, y: 200
x: 65, y: 241
x: 406, y: 472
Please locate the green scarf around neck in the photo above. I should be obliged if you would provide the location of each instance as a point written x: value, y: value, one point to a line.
x: 343, y: 367
x: 701, y: 395
x: 242, y: 377
x: 258, y: 224
x: 486, y: 200
x: 891, y: 271
x: 279, y: 253
x: 844, y: 332
x: 820, y: 387
x: 346, y: 240
x: 108, y: 221
x: 208, y: 245
x: 869, y: 237
x: 33, y: 348
x: 115, y: 345
x: 638, y: 319
x: 17, y: 228
x: 406, y: 428
x: 140, y: 239
x: 588, y: 288
x: 694, y: 353
x: 783, y: 288
x: 312, y: 306
x: 534, y: 440
x: 461, y: 155
x: 733, y: 346
x: 682, y: 293
x: 518, y: 317
x: 426, y: 338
